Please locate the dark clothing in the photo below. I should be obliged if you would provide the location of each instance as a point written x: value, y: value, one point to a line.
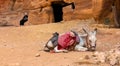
x: 23, y: 20
x: 73, y: 6
x: 58, y: 12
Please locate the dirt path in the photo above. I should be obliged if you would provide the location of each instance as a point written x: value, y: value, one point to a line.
x: 19, y: 46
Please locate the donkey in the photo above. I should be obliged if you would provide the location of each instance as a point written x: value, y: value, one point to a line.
x: 52, y: 42
x: 87, y: 41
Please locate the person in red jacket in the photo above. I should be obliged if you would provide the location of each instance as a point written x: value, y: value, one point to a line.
x: 66, y: 40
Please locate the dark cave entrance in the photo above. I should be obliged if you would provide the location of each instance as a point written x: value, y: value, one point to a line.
x: 58, y: 12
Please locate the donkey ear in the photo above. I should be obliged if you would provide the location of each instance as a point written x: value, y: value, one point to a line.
x: 85, y: 30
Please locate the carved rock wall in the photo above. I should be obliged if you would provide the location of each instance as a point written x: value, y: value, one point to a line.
x: 41, y: 11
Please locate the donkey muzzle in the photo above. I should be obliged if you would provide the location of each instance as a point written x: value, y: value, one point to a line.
x: 93, y: 48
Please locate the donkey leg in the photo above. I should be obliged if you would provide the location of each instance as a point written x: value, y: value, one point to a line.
x: 80, y: 48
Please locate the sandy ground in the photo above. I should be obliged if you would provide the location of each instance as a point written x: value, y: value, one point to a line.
x: 21, y: 46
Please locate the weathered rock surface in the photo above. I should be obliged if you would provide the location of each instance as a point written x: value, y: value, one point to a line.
x: 41, y: 11
x: 111, y: 57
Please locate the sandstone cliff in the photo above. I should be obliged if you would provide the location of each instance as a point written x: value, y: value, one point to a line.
x: 43, y: 11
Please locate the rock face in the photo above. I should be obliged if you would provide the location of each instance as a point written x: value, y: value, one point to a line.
x: 48, y: 11
x: 4, y: 5
x: 117, y: 4
x: 111, y: 57
x: 101, y: 8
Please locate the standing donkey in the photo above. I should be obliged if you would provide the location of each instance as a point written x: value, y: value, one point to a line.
x: 87, y: 41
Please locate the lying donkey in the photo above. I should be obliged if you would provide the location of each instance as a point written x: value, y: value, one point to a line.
x: 87, y: 41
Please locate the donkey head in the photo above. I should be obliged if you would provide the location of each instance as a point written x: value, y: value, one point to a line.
x: 91, y: 39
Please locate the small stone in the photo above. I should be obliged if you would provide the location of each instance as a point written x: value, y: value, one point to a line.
x: 87, y: 57
x: 5, y: 45
x: 96, y: 53
x: 68, y: 65
x: 113, y: 62
x: 37, y: 55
